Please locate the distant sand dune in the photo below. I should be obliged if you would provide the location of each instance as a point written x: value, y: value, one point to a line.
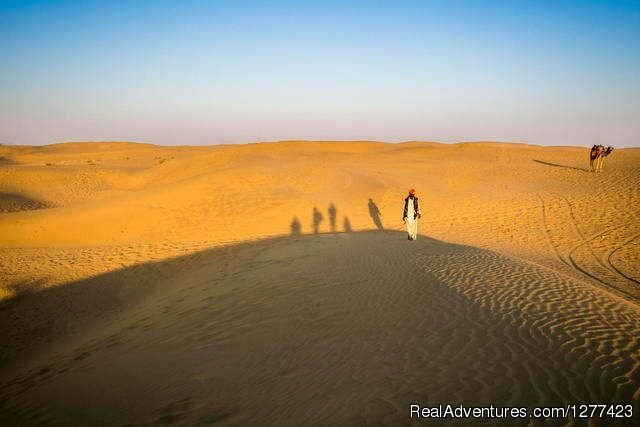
x: 187, y: 284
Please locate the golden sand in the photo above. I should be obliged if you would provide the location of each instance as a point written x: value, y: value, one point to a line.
x: 146, y: 284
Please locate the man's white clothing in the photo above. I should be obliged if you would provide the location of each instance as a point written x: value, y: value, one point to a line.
x: 412, y: 220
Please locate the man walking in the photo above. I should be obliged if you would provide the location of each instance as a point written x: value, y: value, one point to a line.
x: 411, y: 214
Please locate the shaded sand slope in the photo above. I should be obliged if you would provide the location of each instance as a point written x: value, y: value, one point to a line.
x: 329, y: 328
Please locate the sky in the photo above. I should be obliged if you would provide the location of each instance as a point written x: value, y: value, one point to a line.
x: 210, y: 72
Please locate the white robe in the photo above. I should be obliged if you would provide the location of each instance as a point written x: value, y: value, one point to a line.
x: 412, y: 224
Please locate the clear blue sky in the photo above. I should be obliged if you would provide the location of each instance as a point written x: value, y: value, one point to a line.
x: 204, y: 72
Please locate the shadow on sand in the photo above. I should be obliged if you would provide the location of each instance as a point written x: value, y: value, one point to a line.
x: 6, y: 161
x: 332, y: 216
x: 560, y: 166
x: 295, y: 226
x: 209, y: 335
x: 12, y: 202
x: 375, y: 214
x: 346, y: 224
x: 316, y: 219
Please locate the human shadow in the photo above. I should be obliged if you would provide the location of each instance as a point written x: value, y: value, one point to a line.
x: 375, y: 214
x: 316, y: 218
x: 295, y: 226
x: 332, y: 216
x: 347, y: 225
x: 254, y: 312
x: 560, y: 166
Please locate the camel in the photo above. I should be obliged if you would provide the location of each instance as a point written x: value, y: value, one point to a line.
x: 603, y: 153
x: 594, y: 155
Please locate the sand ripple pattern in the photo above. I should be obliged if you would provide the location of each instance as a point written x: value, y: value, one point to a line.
x: 339, y: 329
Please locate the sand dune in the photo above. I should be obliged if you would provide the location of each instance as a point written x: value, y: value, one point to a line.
x: 186, y: 285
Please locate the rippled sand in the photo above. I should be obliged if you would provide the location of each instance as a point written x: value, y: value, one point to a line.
x: 147, y: 285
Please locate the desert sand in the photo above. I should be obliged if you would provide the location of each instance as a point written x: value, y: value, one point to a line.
x: 143, y: 285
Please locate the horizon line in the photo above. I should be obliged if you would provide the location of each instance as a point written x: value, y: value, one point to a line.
x: 374, y: 141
